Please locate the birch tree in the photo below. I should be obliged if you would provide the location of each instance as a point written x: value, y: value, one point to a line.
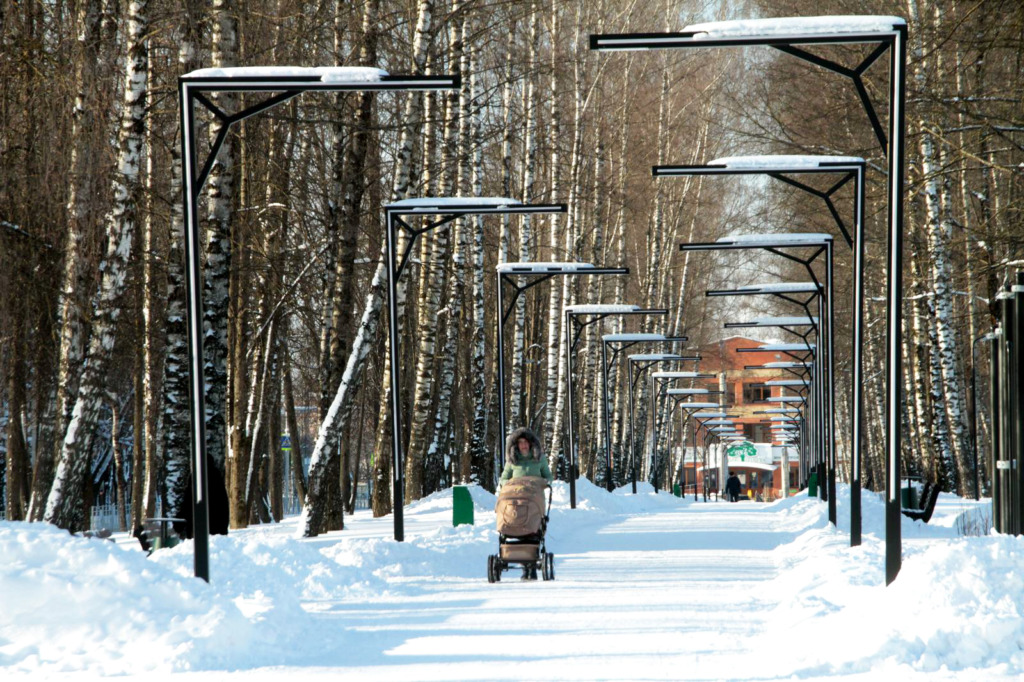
x: 475, y: 467
x: 63, y: 506
x: 220, y: 197
x: 517, y: 383
x: 176, y: 448
x: 332, y: 423
x: 81, y: 211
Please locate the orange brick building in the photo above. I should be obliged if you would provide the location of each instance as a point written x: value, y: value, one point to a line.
x: 745, y: 393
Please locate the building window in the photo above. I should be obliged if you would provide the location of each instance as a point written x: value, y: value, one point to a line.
x: 756, y: 393
x: 760, y: 433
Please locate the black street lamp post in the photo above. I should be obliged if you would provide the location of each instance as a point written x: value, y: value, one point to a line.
x: 573, y: 332
x: 781, y: 167
x: 443, y: 211
x: 657, y: 380
x: 782, y: 245
x: 794, y: 35
x: 619, y: 343
x: 533, y: 274
x: 643, y: 363
x: 284, y: 83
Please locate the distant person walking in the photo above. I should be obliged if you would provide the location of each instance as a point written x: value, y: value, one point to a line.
x: 732, y: 487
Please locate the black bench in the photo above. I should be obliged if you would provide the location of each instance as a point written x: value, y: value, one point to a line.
x: 929, y: 496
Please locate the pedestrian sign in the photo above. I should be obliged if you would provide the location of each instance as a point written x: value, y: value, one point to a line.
x: 286, y: 442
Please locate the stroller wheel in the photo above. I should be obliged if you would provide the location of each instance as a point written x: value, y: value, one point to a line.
x: 548, y: 566
x: 493, y: 569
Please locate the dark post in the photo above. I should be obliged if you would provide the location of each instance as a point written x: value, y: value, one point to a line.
x: 397, y: 493
x: 632, y: 433
x: 500, y: 350
x: 607, y: 419
x: 857, y: 407
x: 1017, y: 457
x: 894, y: 293
x: 830, y: 326
x: 995, y: 414
x: 573, y: 475
x: 1007, y: 418
x: 194, y: 295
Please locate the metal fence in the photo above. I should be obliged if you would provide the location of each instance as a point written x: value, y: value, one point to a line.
x: 105, y: 516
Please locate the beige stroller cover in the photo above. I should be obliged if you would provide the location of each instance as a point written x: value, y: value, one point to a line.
x: 520, y: 507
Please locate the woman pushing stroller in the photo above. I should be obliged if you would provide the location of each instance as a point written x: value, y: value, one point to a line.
x: 521, y: 512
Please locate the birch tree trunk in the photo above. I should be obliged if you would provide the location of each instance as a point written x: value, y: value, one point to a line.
x: 505, y: 238
x: 554, y: 327
x: 516, y: 410
x: 337, y: 415
x: 16, y: 476
x: 476, y: 468
x: 441, y: 470
x: 422, y: 438
x: 176, y: 418
x: 118, y: 456
x: 220, y: 200
x: 557, y: 457
x: 63, y: 506
x: 82, y: 218
x: 154, y: 291
x: 350, y: 169
x: 658, y: 219
x: 939, y: 306
x: 288, y: 397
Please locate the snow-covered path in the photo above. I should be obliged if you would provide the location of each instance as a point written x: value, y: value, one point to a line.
x: 674, y: 593
x: 648, y: 587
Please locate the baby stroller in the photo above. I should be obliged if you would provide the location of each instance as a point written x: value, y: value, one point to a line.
x: 522, y: 521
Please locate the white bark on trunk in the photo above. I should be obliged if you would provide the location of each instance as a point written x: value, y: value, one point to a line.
x: 64, y: 504
x: 154, y: 291
x: 946, y: 393
x: 517, y: 411
x: 438, y: 458
x: 505, y: 237
x: 478, y: 472
x: 554, y: 326
x: 175, y: 380
x: 82, y: 189
x: 220, y: 196
x: 555, y: 448
x: 337, y: 415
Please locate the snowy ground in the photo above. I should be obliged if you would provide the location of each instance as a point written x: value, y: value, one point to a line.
x: 648, y: 587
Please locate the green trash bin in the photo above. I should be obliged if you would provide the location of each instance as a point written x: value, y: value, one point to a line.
x: 676, y: 490
x: 812, y: 485
x: 462, y: 506
x: 908, y: 498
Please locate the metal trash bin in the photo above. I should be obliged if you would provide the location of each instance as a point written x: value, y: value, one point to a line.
x: 462, y: 506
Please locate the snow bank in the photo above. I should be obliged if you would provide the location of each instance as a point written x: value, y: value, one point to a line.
x: 87, y: 605
x: 354, y: 604
x: 955, y: 607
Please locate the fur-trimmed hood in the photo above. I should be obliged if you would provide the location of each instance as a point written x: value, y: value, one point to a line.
x: 512, y: 452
